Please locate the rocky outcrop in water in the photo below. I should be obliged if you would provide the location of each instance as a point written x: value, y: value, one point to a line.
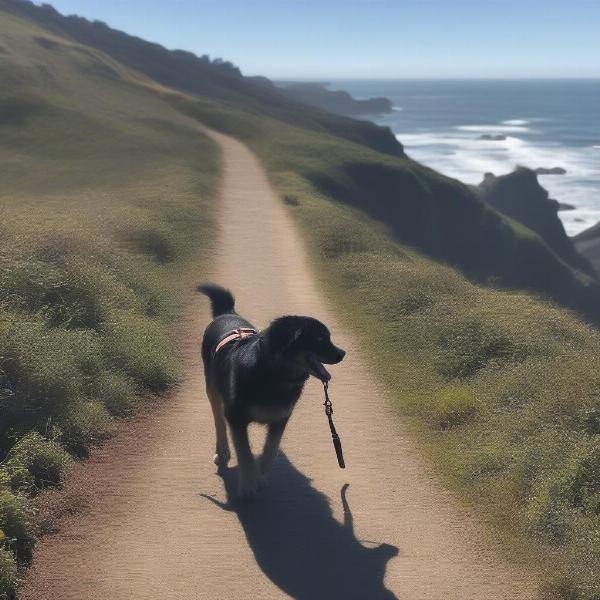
x: 552, y: 171
x: 519, y: 195
x: 493, y: 138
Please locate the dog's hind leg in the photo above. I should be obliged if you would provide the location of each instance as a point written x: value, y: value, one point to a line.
x: 247, y: 466
x: 271, y: 448
x: 222, y: 453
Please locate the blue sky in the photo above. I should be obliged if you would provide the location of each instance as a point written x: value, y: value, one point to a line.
x: 370, y: 38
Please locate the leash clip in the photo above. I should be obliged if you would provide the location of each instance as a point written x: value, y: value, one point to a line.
x: 327, y: 404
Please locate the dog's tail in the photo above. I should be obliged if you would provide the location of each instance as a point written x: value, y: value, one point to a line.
x: 221, y: 300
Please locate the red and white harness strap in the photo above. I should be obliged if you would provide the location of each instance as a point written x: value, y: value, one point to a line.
x: 237, y: 334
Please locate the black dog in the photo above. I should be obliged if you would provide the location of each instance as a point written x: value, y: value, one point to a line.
x: 258, y: 377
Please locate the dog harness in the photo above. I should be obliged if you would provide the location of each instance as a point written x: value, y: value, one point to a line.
x: 237, y: 334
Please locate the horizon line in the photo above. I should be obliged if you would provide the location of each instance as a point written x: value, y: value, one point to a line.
x: 349, y: 78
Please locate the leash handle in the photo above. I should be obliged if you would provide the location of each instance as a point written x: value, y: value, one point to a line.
x: 337, y: 442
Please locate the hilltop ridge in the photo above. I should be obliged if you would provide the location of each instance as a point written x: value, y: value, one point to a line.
x: 218, y: 79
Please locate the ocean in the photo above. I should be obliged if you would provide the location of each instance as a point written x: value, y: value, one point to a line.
x: 545, y: 123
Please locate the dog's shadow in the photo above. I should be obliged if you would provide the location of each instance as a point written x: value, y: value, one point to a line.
x: 300, y: 546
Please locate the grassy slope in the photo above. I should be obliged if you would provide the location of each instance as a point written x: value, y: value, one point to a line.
x: 106, y: 199
x: 502, y: 388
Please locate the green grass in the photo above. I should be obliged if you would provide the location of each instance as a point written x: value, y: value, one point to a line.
x: 107, y: 202
x: 8, y: 573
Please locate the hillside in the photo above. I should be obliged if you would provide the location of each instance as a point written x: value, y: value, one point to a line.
x: 91, y: 240
x: 107, y: 198
x: 215, y: 79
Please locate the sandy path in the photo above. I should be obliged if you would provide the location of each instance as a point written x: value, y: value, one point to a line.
x: 160, y: 527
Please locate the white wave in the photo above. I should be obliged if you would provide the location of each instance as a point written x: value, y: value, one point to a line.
x: 597, y: 147
x: 515, y: 122
x: 397, y: 108
x: 495, y: 128
x: 458, y: 154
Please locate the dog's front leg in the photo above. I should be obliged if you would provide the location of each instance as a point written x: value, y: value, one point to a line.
x: 271, y: 448
x: 222, y: 454
x: 247, y: 467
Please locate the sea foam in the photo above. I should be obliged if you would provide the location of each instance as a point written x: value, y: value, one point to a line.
x: 515, y: 122
x: 500, y: 128
x: 457, y: 153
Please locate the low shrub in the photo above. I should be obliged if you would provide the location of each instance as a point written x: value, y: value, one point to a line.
x: 291, y: 200
x: 455, y: 405
x: 8, y: 573
x: 14, y: 523
x: 86, y: 424
x: 65, y: 294
x: 45, y: 369
x: 16, y: 477
x: 469, y: 346
x: 43, y: 460
x: 140, y: 347
x: 567, y: 491
x: 155, y: 240
x: 118, y: 393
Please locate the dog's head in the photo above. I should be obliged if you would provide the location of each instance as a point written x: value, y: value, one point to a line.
x: 306, y: 342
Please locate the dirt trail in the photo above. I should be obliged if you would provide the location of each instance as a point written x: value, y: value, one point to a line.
x: 160, y: 525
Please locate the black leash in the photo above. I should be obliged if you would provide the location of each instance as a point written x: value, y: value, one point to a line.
x: 337, y: 443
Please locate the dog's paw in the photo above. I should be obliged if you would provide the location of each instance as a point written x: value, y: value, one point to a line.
x: 221, y: 459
